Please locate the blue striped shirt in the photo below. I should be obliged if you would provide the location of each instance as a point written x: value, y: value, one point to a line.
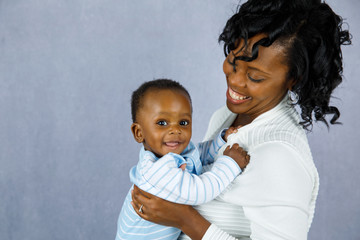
x: 163, y: 177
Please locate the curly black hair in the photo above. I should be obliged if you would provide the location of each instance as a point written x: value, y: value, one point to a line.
x: 312, y: 35
x: 157, y: 84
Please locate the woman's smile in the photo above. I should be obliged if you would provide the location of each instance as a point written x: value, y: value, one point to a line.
x: 235, y: 97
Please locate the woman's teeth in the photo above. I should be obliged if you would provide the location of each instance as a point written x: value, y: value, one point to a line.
x: 236, y: 96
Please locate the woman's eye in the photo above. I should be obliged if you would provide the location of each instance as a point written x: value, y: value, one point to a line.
x: 254, y: 79
x: 162, y: 123
x: 184, y: 123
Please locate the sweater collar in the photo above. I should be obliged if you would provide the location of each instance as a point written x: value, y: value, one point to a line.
x: 276, y: 111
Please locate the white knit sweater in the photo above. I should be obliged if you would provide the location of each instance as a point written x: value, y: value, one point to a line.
x: 275, y: 196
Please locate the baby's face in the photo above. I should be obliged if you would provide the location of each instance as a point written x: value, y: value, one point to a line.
x: 165, y: 121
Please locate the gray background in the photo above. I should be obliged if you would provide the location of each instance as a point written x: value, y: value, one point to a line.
x: 67, y: 70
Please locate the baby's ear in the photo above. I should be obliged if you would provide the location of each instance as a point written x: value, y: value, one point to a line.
x: 137, y: 132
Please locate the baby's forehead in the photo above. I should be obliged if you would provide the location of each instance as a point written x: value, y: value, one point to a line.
x: 161, y: 94
x: 162, y: 100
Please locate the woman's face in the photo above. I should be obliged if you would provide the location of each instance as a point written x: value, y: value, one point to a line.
x: 257, y: 86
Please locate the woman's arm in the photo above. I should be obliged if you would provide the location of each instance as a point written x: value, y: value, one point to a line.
x: 166, y: 213
x: 184, y: 217
x: 276, y: 207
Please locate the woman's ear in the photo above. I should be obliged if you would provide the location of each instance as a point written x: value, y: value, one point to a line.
x: 137, y: 132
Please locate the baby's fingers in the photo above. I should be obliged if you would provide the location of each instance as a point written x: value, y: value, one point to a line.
x: 231, y: 130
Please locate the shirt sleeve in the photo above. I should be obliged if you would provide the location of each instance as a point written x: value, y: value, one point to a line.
x: 164, y: 179
x: 209, y: 149
x: 275, y: 192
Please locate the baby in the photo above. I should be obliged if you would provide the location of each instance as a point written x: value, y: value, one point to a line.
x: 170, y: 165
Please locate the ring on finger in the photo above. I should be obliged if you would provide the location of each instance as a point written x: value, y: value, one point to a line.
x: 140, y: 209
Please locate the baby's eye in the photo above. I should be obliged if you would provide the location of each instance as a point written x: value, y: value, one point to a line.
x: 184, y: 123
x: 162, y: 123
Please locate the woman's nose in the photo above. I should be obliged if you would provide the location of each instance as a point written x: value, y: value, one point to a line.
x: 238, y: 79
x: 236, y: 75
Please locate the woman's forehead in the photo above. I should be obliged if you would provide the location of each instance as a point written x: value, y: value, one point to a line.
x: 247, y: 46
x: 267, y: 56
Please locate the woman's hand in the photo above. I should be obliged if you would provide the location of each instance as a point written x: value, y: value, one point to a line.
x: 160, y: 211
x: 157, y: 210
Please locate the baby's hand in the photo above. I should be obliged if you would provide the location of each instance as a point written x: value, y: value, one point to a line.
x: 238, y: 154
x: 183, y: 166
x: 229, y: 131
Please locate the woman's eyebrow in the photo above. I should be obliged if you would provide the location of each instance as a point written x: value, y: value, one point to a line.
x: 256, y: 69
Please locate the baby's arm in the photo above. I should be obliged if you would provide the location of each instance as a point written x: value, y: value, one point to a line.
x: 164, y: 179
x: 209, y: 149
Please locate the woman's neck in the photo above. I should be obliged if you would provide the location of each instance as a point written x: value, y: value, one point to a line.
x: 242, y: 120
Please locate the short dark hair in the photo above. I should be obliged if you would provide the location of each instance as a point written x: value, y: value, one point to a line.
x: 138, y: 94
x: 312, y: 35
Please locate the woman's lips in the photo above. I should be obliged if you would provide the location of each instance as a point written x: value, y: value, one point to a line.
x: 235, y: 97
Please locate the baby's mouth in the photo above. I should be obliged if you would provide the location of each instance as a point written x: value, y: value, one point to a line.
x: 172, y: 144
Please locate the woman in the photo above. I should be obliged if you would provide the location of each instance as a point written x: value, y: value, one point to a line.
x: 279, y: 54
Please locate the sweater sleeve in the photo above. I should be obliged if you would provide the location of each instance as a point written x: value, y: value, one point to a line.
x: 215, y: 233
x: 274, y: 192
x: 164, y: 179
